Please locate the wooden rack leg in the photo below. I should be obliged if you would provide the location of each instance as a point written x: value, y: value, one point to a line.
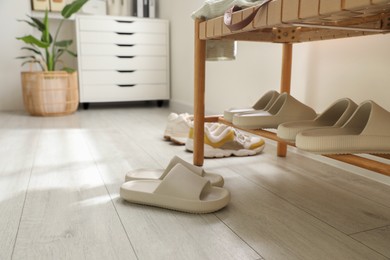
x: 285, y: 84
x: 199, y: 96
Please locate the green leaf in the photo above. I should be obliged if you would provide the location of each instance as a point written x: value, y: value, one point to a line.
x: 30, y: 23
x: 46, y: 37
x: 31, y: 49
x: 72, y: 53
x: 38, y: 23
x: 69, y: 70
x: 64, y: 43
x: 25, y: 57
x: 29, y: 39
x: 72, y: 8
x: 59, y: 53
x: 50, y: 39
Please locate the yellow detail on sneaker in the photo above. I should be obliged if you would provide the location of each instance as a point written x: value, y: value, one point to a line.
x: 227, y: 138
x: 191, y: 133
x: 257, y: 145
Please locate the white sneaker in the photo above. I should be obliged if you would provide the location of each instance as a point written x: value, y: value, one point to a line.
x: 226, y: 141
x: 178, y: 127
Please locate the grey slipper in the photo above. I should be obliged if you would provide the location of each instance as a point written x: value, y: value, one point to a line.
x: 284, y: 109
x: 264, y: 103
x: 335, y: 115
x: 367, y: 131
x: 159, y: 174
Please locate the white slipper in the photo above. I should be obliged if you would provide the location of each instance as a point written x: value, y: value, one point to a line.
x: 159, y: 174
x: 285, y: 109
x: 367, y: 131
x: 335, y: 115
x: 264, y: 103
x: 180, y: 190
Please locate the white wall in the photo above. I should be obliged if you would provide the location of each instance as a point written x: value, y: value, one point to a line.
x: 322, y: 71
x: 10, y: 89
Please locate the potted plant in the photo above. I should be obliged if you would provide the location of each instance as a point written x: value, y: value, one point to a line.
x: 51, y: 91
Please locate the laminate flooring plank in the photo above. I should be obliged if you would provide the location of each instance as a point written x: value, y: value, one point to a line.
x: 364, y: 187
x: 148, y: 131
x: 17, y: 150
x: 377, y: 239
x: 340, y: 208
x: 278, y: 230
x: 160, y: 233
x: 68, y: 213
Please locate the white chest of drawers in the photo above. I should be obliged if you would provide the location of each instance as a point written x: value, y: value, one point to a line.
x: 122, y: 58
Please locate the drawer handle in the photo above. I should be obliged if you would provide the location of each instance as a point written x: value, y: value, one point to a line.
x: 125, y: 71
x: 125, y: 45
x: 125, y: 57
x: 123, y: 21
x: 124, y: 33
x: 126, y: 85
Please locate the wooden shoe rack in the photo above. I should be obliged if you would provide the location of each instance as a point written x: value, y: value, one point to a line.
x: 288, y: 22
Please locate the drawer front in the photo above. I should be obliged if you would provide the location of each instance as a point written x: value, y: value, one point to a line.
x: 112, y: 93
x: 123, y: 50
x: 123, y: 63
x: 112, y: 37
x: 124, y: 77
x: 122, y: 26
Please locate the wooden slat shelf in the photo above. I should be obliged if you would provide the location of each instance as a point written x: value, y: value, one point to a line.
x: 369, y: 164
x: 304, y: 20
x: 288, y: 22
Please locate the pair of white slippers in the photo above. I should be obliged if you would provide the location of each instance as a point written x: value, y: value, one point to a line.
x: 181, y: 186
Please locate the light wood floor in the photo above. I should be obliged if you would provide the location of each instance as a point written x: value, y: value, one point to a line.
x: 60, y: 179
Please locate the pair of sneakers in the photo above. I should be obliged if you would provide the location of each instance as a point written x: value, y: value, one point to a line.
x: 221, y: 140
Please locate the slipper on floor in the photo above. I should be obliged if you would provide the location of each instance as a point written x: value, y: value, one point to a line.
x: 263, y: 103
x: 367, y: 131
x: 285, y: 109
x: 180, y: 190
x: 159, y: 174
x: 335, y: 115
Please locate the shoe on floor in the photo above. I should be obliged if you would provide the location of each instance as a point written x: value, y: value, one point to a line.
x: 180, y: 190
x: 159, y: 174
x: 177, y: 128
x: 367, y: 131
x: 227, y: 141
x: 285, y: 109
x: 263, y: 103
x: 335, y: 115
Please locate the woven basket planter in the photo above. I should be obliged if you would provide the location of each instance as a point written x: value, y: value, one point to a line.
x: 50, y: 93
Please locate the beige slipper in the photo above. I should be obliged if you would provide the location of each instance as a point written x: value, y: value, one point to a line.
x: 159, y: 174
x: 284, y: 109
x: 367, y: 131
x: 264, y: 103
x: 180, y: 190
x: 335, y: 115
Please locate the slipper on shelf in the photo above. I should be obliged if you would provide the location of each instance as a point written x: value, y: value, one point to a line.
x: 263, y: 103
x: 180, y: 190
x: 285, y: 109
x: 159, y: 174
x: 335, y: 115
x: 367, y: 131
